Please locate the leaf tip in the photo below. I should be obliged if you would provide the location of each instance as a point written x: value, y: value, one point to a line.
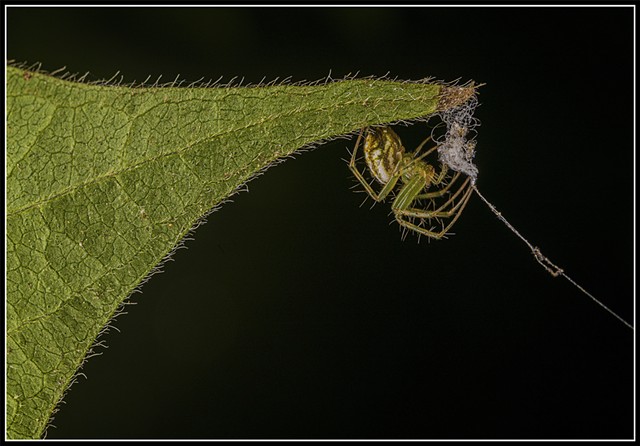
x: 452, y: 96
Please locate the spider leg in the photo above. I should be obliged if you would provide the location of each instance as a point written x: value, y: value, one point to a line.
x: 439, y: 212
x: 418, y: 229
x: 356, y: 172
x: 425, y: 154
x: 443, y: 173
x: 465, y: 185
x: 440, y: 192
x: 437, y: 234
x: 419, y: 148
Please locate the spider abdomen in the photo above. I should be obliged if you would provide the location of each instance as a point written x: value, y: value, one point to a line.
x: 383, y: 151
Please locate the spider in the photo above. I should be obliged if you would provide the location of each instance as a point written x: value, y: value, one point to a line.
x: 390, y: 164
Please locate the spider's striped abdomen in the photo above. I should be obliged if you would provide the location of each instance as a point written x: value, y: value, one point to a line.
x: 383, y: 152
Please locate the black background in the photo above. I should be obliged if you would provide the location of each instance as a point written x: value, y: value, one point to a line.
x: 296, y: 313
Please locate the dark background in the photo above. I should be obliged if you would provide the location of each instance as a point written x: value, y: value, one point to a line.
x: 296, y: 313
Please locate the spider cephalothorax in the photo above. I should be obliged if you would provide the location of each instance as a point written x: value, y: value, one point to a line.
x: 423, y: 195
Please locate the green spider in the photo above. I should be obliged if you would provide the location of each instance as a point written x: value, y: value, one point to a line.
x: 390, y: 164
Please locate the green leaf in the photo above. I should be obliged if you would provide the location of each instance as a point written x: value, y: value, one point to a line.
x: 104, y: 181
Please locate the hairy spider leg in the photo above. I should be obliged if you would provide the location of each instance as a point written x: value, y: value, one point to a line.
x: 443, y: 190
x: 411, y: 193
x: 433, y: 234
x: 419, y: 148
x: 408, y: 211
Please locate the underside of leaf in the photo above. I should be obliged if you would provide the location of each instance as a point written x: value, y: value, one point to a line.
x: 104, y: 181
